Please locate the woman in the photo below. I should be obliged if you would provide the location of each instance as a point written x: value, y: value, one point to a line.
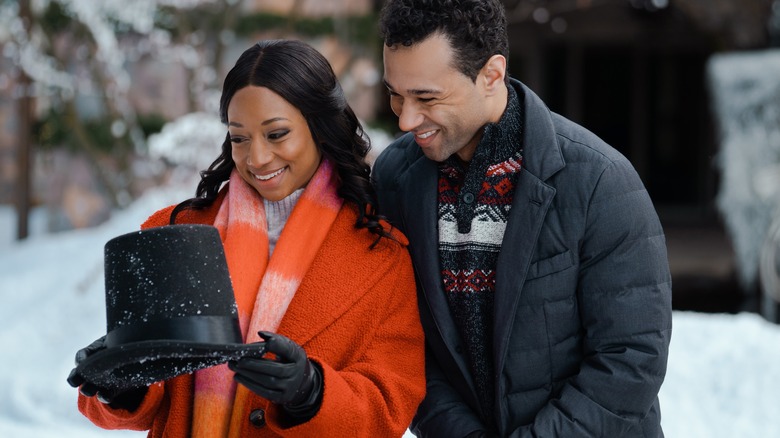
x: 317, y: 275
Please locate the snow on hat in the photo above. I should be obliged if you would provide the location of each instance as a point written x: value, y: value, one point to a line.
x: 170, y: 308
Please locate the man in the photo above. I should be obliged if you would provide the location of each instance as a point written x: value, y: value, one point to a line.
x: 543, y: 282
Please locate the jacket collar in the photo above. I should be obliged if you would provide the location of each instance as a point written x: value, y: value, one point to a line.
x: 542, y: 155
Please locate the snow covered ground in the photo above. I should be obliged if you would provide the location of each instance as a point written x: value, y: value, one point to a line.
x: 723, y: 378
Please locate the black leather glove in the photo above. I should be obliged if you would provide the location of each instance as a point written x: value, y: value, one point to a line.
x: 128, y: 399
x: 291, y: 380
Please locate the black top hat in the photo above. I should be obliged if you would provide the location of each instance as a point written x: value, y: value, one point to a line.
x: 170, y: 308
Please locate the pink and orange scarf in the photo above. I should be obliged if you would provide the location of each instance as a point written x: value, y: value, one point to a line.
x: 263, y: 287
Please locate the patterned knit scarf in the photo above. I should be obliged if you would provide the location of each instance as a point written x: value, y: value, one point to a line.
x: 263, y: 287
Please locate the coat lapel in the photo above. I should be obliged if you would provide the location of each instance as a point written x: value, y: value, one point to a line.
x: 328, y: 303
x: 542, y: 158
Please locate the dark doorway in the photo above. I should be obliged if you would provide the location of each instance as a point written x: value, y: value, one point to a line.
x: 650, y: 105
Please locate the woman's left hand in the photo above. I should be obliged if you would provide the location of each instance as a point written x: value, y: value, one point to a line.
x: 291, y: 380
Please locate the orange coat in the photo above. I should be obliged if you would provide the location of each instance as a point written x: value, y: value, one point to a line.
x: 355, y: 313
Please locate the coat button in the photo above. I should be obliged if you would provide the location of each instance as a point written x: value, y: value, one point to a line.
x: 257, y: 418
x: 468, y: 198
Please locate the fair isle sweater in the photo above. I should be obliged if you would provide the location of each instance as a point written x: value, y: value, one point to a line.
x: 474, y: 202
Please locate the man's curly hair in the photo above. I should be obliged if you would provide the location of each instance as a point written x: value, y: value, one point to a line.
x: 476, y: 29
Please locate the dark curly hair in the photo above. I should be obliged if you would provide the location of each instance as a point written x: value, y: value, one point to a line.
x: 303, y: 77
x: 475, y: 29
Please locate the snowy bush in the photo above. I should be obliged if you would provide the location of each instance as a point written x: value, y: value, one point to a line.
x: 746, y: 101
x: 193, y: 140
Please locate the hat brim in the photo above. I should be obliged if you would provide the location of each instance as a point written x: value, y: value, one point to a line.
x: 142, y: 363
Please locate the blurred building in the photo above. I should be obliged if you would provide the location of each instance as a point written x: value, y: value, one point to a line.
x: 633, y: 71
